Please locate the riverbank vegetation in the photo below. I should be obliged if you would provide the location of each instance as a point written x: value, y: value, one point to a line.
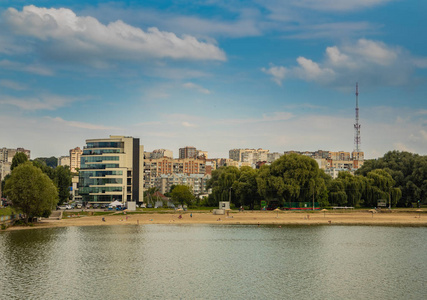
x: 398, y: 178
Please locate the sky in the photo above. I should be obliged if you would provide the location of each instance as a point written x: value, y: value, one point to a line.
x: 214, y: 74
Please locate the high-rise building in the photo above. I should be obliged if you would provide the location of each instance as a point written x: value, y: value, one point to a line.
x: 251, y: 156
x: 111, y: 169
x: 64, y: 161
x: 159, y: 153
x: 75, y: 155
x: 188, y: 152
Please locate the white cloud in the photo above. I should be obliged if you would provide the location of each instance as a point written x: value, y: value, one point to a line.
x: 60, y: 34
x: 366, y: 61
x: 30, y: 68
x: 278, y: 73
x: 188, y: 124
x: 44, y: 102
x: 245, y: 23
x: 277, y: 116
x: 309, y: 29
x: 193, y: 86
x: 10, y: 84
x: 82, y: 125
x: 338, y: 5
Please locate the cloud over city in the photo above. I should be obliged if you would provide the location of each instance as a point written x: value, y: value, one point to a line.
x: 61, y: 35
x: 373, y: 61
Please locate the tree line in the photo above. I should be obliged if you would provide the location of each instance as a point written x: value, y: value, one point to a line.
x: 36, y: 188
x: 399, y: 178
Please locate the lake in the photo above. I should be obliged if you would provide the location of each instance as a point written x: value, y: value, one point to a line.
x: 214, y: 262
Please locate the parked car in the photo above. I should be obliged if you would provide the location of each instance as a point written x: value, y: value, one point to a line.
x: 65, y: 206
x: 149, y: 205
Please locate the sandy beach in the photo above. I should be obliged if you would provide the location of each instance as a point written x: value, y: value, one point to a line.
x: 241, y: 218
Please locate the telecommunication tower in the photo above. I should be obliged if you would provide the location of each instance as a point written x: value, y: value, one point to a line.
x: 357, y: 125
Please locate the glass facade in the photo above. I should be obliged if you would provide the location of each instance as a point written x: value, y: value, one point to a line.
x: 109, y: 170
x: 119, y: 145
x: 95, y: 179
x: 101, y: 151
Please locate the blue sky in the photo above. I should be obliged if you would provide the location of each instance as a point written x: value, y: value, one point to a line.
x: 217, y: 75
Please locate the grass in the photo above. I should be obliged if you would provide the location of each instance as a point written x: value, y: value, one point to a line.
x: 7, y: 211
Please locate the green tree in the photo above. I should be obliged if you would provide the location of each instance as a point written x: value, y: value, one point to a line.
x: 408, y: 170
x: 31, y: 191
x: 292, y: 178
x: 51, y: 162
x: 63, y: 182
x: 18, y: 159
x: 337, y: 194
x: 353, y: 187
x: 245, y: 188
x: 49, y: 171
x: 148, y: 194
x: 221, y: 184
x: 182, y: 194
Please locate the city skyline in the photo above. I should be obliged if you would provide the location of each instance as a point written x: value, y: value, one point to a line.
x: 216, y: 75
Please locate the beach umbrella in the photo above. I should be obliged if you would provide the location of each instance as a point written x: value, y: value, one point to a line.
x: 373, y: 211
x: 277, y: 210
x: 419, y: 210
x: 179, y: 209
x: 324, y: 211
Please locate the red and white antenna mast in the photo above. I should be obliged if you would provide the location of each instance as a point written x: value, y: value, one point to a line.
x: 357, y: 125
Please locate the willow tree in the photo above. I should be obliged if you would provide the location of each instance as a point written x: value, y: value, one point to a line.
x: 31, y: 191
x: 380, y: 185
x: 221, y: 184
x: 292, y: 178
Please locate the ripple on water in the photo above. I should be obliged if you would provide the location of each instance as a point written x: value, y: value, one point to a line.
x: 210, y: 262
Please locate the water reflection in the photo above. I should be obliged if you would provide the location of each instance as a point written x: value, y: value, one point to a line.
x: 210, y: 262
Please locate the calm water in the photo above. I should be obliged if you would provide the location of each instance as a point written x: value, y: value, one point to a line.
x: 214, y: 262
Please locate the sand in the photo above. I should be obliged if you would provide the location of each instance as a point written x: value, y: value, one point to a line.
x: 242, y: 218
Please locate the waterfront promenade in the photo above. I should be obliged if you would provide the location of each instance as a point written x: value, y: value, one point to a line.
x: 242, y: 218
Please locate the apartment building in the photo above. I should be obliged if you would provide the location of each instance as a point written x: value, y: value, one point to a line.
x: 111, y: 169
x: 64, y: 161
x: 166, y: 166
x: 158, y: 153
x: 188, y: 152
x: 251, y: 156
x: 6, y: 157
x: 197, y: 182
x: 75, y: 155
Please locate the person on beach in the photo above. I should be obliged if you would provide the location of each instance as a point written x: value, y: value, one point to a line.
x: 191, y: 215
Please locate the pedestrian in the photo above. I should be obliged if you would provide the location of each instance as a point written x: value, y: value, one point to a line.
x: 191, y: 215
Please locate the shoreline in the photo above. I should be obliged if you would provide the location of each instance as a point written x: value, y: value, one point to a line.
x: 240, y: 218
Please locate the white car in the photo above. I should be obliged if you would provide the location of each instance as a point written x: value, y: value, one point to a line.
x: 65, y: 206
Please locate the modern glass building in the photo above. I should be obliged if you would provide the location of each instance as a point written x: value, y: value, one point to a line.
x: 111, y: 169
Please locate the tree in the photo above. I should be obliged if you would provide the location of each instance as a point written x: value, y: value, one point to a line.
x: 292, y: 178
x: 182, y: 194
x: 381, y: 186
x: 148, y: 194
x: 353, y: 187
x: 221, y: 183
x: 19, y: 158
x: 337, y: 194
x: 245, y: 188
x: 63, y: 182
x: 408, y: 170
x: 51, y: 162
x: 31, y: 191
